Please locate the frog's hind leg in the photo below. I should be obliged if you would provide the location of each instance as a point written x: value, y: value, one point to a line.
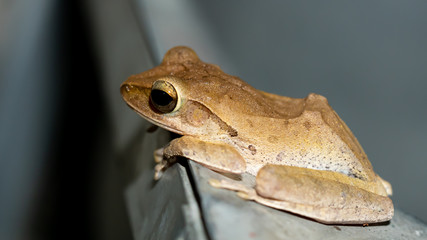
x: 249, y: 193
x: 323, y: 198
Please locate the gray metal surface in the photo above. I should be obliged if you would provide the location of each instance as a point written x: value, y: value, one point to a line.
x: 229, y: 217
x: 164, y: 209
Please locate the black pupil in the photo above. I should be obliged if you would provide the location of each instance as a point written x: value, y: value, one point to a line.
x: 161, y: 98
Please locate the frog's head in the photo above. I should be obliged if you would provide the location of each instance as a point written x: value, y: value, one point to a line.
x: 173, y: 95
x: 190, y: 97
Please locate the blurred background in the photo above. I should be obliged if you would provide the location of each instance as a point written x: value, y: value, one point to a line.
x: 63, y: 123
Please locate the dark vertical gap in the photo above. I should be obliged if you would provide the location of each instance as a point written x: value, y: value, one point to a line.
x: 63, y: 209
x: 185, y: 162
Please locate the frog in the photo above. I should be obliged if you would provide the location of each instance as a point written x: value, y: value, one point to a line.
x: 304, y: 158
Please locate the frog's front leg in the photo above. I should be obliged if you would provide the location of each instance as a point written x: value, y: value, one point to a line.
x: 213, y: 155
x: 328, y: 197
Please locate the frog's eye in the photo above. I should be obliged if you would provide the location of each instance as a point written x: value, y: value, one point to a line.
x: 163, y: 96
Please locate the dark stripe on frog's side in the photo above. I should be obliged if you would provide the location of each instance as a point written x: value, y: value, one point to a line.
x: 348, y: 170
x: 205, y: 114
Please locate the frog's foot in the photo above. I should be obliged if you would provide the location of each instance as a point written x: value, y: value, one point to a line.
x: 325, y: 196
x: 163, y: 163
x: 243, y: 191
x: 161, y: 167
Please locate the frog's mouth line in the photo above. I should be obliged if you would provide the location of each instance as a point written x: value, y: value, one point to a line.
x: 158, y: 123
x: 154, y: 121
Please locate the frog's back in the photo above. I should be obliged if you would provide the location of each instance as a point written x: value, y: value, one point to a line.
x: 233, y: 95
x: 316, y: 110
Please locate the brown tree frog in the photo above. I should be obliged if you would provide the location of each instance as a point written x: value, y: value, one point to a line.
x: 304, y: 157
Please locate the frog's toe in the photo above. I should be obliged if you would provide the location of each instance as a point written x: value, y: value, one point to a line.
x: 230, y: 185
x: 248, y: 195
x: 158, y: 155
x: 215, y: 183
x: 158, y: 175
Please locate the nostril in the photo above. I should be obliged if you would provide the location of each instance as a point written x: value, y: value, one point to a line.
x: 126, y: 88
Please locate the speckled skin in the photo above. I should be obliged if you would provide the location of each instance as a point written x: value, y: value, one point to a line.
x: 229, y: 126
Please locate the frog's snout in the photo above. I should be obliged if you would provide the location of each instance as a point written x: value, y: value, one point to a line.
x: 133, y: 95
